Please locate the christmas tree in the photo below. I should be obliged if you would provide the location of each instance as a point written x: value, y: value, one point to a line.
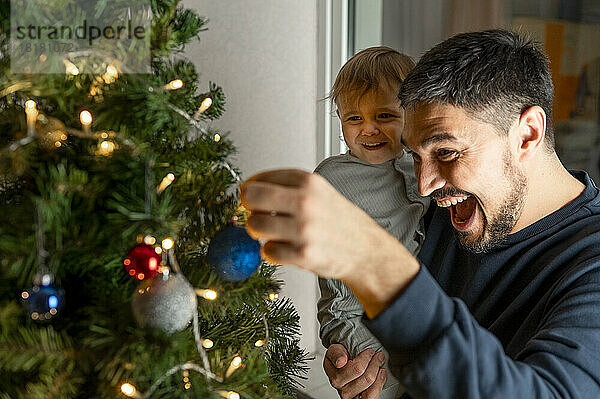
x: 122, y: 272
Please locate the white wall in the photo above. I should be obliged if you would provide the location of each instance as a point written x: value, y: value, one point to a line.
x: 263, y: 54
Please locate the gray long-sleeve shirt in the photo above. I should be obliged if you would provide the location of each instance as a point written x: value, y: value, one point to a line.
x: 388, y: 193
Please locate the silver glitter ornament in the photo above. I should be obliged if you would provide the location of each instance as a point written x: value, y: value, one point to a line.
x: 165, y: 303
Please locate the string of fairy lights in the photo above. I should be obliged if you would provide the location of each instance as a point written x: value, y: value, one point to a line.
x: 52, y: 133
x: 59, y: 133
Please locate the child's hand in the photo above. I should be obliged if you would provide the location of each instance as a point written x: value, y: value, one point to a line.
x: 360, y: 377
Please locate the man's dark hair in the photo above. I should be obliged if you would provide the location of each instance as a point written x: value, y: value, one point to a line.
x: 494, y: 75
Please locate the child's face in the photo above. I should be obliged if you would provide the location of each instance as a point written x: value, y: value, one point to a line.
x: 372, y: 124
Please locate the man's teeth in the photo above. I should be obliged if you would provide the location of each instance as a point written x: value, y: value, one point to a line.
x: 453, y: 201
x: 372, y: 145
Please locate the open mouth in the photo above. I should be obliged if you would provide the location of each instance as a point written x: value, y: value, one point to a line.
x: 462, y: 210
x: 374, y: 146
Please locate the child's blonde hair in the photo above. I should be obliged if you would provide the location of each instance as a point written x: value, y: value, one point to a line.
x: 370, y: 69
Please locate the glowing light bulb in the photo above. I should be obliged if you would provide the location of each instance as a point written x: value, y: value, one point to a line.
x: 206, y: 294
x: 86, y: 120
x: 273, y: 296
x: 52, y: 301
x: 206, y: 103
x: 166, y: 181
x: 46, y: 280
x: 211, y: 295
x: 259, y: 343
x: 152, y: 264
x: 207, y: 343
x: 106, y: 148
x: 107, y: 145
x: 167, y: 244
x: 217, y: 137
x: 158, y: 250
x: 85, y: 117
x: 112, y: 71
x: 128, y: 390
x: 234, y: 365
x: 229, y: 394
x: 32, y: 116
x: 174, y: 84
x: 24, y: 294
x: 149, y: 240
x: 71, y: 68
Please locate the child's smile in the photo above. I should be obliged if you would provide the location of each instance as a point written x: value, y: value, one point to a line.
x: 375, y: 146
x: 372, y: 123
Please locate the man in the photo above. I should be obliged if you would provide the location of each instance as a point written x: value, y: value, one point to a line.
x: 503, y: 300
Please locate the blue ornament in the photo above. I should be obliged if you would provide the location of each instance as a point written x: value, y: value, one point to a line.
x: 233, y: 254
x: 43, y: 301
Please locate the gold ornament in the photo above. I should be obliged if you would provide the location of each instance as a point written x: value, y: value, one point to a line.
x: 51, y: 131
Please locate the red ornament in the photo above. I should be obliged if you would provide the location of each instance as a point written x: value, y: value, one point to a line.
x: 142, y: 262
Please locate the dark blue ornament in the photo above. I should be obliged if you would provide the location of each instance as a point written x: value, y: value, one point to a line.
x: 43, y: 302
x: 233, y: 254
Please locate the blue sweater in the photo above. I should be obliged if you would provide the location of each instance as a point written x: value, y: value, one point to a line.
x: 521, y: 321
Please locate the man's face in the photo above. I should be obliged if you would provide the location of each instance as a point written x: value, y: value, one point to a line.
x: 372, y: 124
x: 467, y: 167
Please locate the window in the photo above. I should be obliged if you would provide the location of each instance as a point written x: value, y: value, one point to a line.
x: 568, y: 29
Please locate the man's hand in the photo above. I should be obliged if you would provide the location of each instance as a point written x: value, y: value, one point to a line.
x: 309, y: 224
x: 359, y: 376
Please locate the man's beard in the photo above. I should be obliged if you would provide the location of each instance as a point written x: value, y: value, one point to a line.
x: 494, y: 232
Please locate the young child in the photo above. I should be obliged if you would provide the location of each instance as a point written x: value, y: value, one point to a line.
x: 375, y: 175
